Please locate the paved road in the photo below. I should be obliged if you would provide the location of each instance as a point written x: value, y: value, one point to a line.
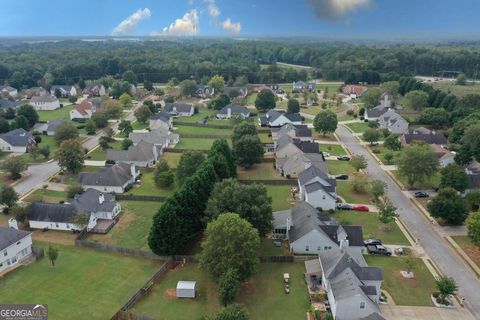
x: 435, y: 246
x: 38, y: 174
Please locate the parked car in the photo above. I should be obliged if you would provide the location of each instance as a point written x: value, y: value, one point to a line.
x: 379, y: 249
x: 372, y: 242
x: 361, y: 208
x: 421, y: 194
x: 341, y: 176
x: 277, y: 243
x: 343, y: 158
x: 344, y: 206
x: 326, y: 154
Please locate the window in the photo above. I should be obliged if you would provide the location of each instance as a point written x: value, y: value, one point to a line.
x: 307, y: 248
x: 319, y: 248
x: 323, y: 197
x: 5, y: 252
x: 362, y: 305
x: 18, y: 242
x: 56, y: 224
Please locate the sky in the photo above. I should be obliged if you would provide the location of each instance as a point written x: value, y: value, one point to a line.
x: 326, y: 18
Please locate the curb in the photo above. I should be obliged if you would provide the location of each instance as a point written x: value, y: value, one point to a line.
x: 463, y: 255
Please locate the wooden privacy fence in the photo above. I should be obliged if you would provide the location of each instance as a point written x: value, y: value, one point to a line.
x: 121, y: 250
x: 38, y: 253
x: 277, y: 182
x: 133, y: 197
x: 194, y: 124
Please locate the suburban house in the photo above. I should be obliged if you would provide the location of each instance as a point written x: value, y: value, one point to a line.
x: 387, y: 100
x: 65, y: 91
x: 301, y: 132
x: 10, y: 91
x: 60, y: 216
x: 310, y: 231
x: 34, y: 91
x: 7, y: 104
x: 41, y: 103
x: 278, y: 118
x: 394, y: 122
x: 15, y: 246
x: 354, y: 91
x: 117, y: 178
x: 94, y: 90
x: 234, y: 92
x: 317, y: 188
x: 179, y: 109
x: 353, y: 288
x: 16, y: 141
x: 162, y: 120
x: 143, y: 154
x: 159, y: 137
x: 287, y: 146
x: 48, y: 128
x: 302, y: 86
x: 422, y: 130
x: 204, y: 91
x: 445, y: 156
x: 276, y: 89
x: 83, y: 111
x: 374, y: 114
x: 428, y: 138
x: 291, y: 166
x: 233, y: 110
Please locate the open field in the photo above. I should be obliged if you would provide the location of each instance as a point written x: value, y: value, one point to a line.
x: 281, y: 197
x: 85, y: 284
x: 62, y: 113
x: 459, y: 91
x: 148, y: 187
x: 472, y: 250
x: 259, y: 171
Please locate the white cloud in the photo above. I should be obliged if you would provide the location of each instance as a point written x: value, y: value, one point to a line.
x: 131, y: 22
x: 232, y: 27
x: 183, y: 26
x: 337, y: 9
x: 213, y: 10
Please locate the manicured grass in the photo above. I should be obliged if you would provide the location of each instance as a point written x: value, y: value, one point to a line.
x: 358, y: 127
x: 333, y: 149
x: 196, y: 144
x: 265, y: 138
x: 459, y: 91
x: 259, y: 171
x: 281, y: 197
x: 339, y: 167
x: 62, y: 113
x: 380, y: 151
x: 428, y: 184
x: 472, y: 250
x: 133, y: 228
x: 345, y: 190
x: 100, y: 155
x: 46, y: 196
x: 172, y: 158
x: 137, y: 125
x: 263, y: 294
x: 407, y: 292
x: 344, y: 117
x: 203, y: 130
x: 85, y: 284
x: 268, y: 249
x: 371, y: 226
x: 148, y: 187
x: 251, y: 99
x: 202, y: 113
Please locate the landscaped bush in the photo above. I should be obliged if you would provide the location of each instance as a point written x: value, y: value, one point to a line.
x: 350, y: 112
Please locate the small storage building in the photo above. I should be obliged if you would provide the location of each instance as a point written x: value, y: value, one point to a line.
x: 186, y: 289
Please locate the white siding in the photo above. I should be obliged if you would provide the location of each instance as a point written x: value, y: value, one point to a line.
x: 314, y: 241
x: 11, y: 255
x: 107, y: 189
x: 6, y: 147
x: 39, y: 106
x: 320, y: 199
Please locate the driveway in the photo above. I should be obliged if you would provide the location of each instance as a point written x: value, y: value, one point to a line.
x: 38, y: 174
x: 392, y: 312
x: 435, y: 246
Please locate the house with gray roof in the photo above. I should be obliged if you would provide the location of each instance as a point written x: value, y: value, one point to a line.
x: 65, y: 90
x: 293, y: 165
x: 317, y: 188
x: 48, y: 128
x: 373, y: 114
x: 301, y: 132
x: 394, y: 122
x: 159, y: 137
x: 234, y: 92
x: 302, y: 86
x: 8, y: 90
x: 34, y: 91
x: 204, y: 91
x: 278, y: 118
x: 428, y: 138
x: 233, y: 110
x: 15, y: 247
x: 94, y: 90
x: 117, y: 178
x: 287, y: 146
x: 179, y: 109
x: 16, y: 141
x: 161, y: 120
x: 143, y: 154
x: 44, y: 103
x: 6, y: 104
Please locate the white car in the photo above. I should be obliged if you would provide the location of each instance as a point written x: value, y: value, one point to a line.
x: 326, y: 154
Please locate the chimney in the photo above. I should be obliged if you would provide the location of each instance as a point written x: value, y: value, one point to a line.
x: 155, y: 153
x: 289, y: 224
x: 175, y: 109
x: 101, y: 198
x: 12, y: 223
x: 133, y: 171
x: 229, y: 112
x: 343, y: 245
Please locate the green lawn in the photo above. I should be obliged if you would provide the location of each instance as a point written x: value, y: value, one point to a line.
x: 259, y: 171
x: 265, y: 138
x: 196, y: 144
x: 371, y: 226
x: 340, y: 167
x: 148, y: 187
x: 133, y: 227
x: 458, y: 90
x: 428, y: 184
x: 407, y: 292
x: 172, y: 158
x: 202, y: 113
x: 263, y: 295
x: 268, y: 249
x: 358, y: 127
x: 202, y: 130
x: 62, y: 113
x: 333, y: 149
x: 251, y: 99
x: 137, y: 125
x: 46, y: 196
x: 345, y: 190
x: 100, y: 155
x: 281, y: 197
x: 472, y: 250
x: 85, y: 284
x: 380, y: 151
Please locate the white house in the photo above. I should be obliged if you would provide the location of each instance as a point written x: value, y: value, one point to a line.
x: 278, y: 118
x: 162, y: 120
x: 11, y: 91
x: 394, y: 122
x: 84, y: 110
x: 317, y: 188
x: 16, y: 141
x: 41, y: 103
x: 15, y: 246
x: 445, y: 156
x: 112, y: 179
x: 204, y: 91
x: 233, y: 110
x: 65, y: 90
x: 48, y: 128
x: 94, y: 90
x: 143, y: 154
x: 179, y: 109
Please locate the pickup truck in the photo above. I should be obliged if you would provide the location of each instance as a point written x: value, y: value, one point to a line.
x: 379, y: 250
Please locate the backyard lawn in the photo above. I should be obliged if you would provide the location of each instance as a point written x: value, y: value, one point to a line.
x: 62, y: 113
x: 264, y: 137
x: 45, y: 195
x: 263, y: 294
x: 268, y: 249
x: 428, y: 184
x: 472, y: 250
x: 339, y: 167
x: 202, y: 130
x: 85, y: 284
x: 202, y: 113
x: 148, y: 187
x: 358, y: 127
x: 406, y: 292
x: 172, y: 158
x: 371, y: 226
x: 345, y: 190
x: 281, y: 197
x: 196, y: 144
x: 100, y: 155
x: 333, y: 149
x: 137, y: 125
x: 259, y: 171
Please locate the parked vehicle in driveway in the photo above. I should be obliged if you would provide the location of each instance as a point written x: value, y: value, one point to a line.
x: 361, y: 208
x: 341, y: 176
x: 326, y: 154
x: 343, y: 158
x: 421, y: 194
x: 344, y: 206
x: 379, y: 250
x: 372, y: 242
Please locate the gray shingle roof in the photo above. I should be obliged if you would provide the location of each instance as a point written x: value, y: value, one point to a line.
x: 235, y: 109
x: 18, y: 138
x: 313, y: 172
x: 51, y: 212
x: 354, y: 234
x: 113, y: 176
x: 427, y: 138
x: 180, y: 107
x: 45, y: 98
x: 154, y: 137
x: 89, y: 202
x: 7, y: 104
x: 313, y: 266
x: 141, y: 152
x: 335, y: 262
x: 304, y: 219
x: 307, y: 146
x: 373, y: 316
x: 9, y: 236
x: 376, y: 112
x: 294, y: 117
x: 163, y: 116
x: 64, y: 87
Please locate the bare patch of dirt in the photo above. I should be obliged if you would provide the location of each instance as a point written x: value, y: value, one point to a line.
x: 125, y: 219
x: 59, y: 237
x: 170, y: 293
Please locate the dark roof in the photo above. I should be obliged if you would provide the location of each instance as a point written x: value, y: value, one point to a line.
x: 142, y: 151
x: 427, y: 138
x: 89, y: 202
x: 293, y: 117
x: 45, y: 98
x: 7, y: 104
x: 336, y: 261
x: 17, y: 137
x: 235, y: 109
x: 9, y: 236
x: 373, y: 316
x: 53, y: 124
x: 311, y: 173
x: 473, y: 181
x: 314, y: 186
x: 162, y: 116
x: 376, y: 112
x: 302, y: 130
x: 51, y: 212
x: 180, y: 107
x: 354, y: 234
x: 307, y: 146
x: 116, y: 175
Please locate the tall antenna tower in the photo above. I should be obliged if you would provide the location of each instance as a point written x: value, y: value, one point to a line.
x: 195, y: 31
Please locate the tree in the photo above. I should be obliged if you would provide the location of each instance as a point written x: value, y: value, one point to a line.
x: 4, y: 125
x: 15, y: 165
x: 28, y: 112
x: 371, y: 97
x: 417, y: 163
x: 461, y: 79
x: 163, y: 175
x: 238, y: 250
x: 219, y: 102
x: 248, y: 151
x: 65, y: 131
x: 70, y: 156
x: 265, y: 100
x: 446, y: 287
x: 57, y: 93
x: 221, y: 147
x: 125, y: 127
x: 8, y: 196
x: 243, y: 129
x: 391, y: 87
x: 21, y: 122
x: 44, y: 151
x: 188, y: 88
x: 416, y: 100
x: 293, y: 106
x: 473, y: 227
x: 386, y: 212
x: 393, y: 143
x: 73, y: 190
x: 126, y: 100
x: 52, y: 254
x: 90, y: 127
x: 130, y: 77
x: 112, y: 109
x: 119, y: 88
x: 251, y: 202
x: 453, y: 176
x: 371, y: 135
x: 148, y: 85
x: 80, y: 220
x: 20, y: 213
x: 126, y: 143
x: 437, y: 117
x: 188, y: 164
x: 325, y: 122
x: 233, y: 312
x: 217, y: 83
x: 359, y: 162
x: 143, y: 114
x: 100, y: 119
x: 449, y: 206
x: 377, y: 188
x: 388, y: 157
x: 228, y: 286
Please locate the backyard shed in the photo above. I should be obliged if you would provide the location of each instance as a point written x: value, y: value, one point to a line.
x: 186, y: 289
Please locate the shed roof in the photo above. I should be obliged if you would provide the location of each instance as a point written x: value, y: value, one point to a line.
x: 189, y: 285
